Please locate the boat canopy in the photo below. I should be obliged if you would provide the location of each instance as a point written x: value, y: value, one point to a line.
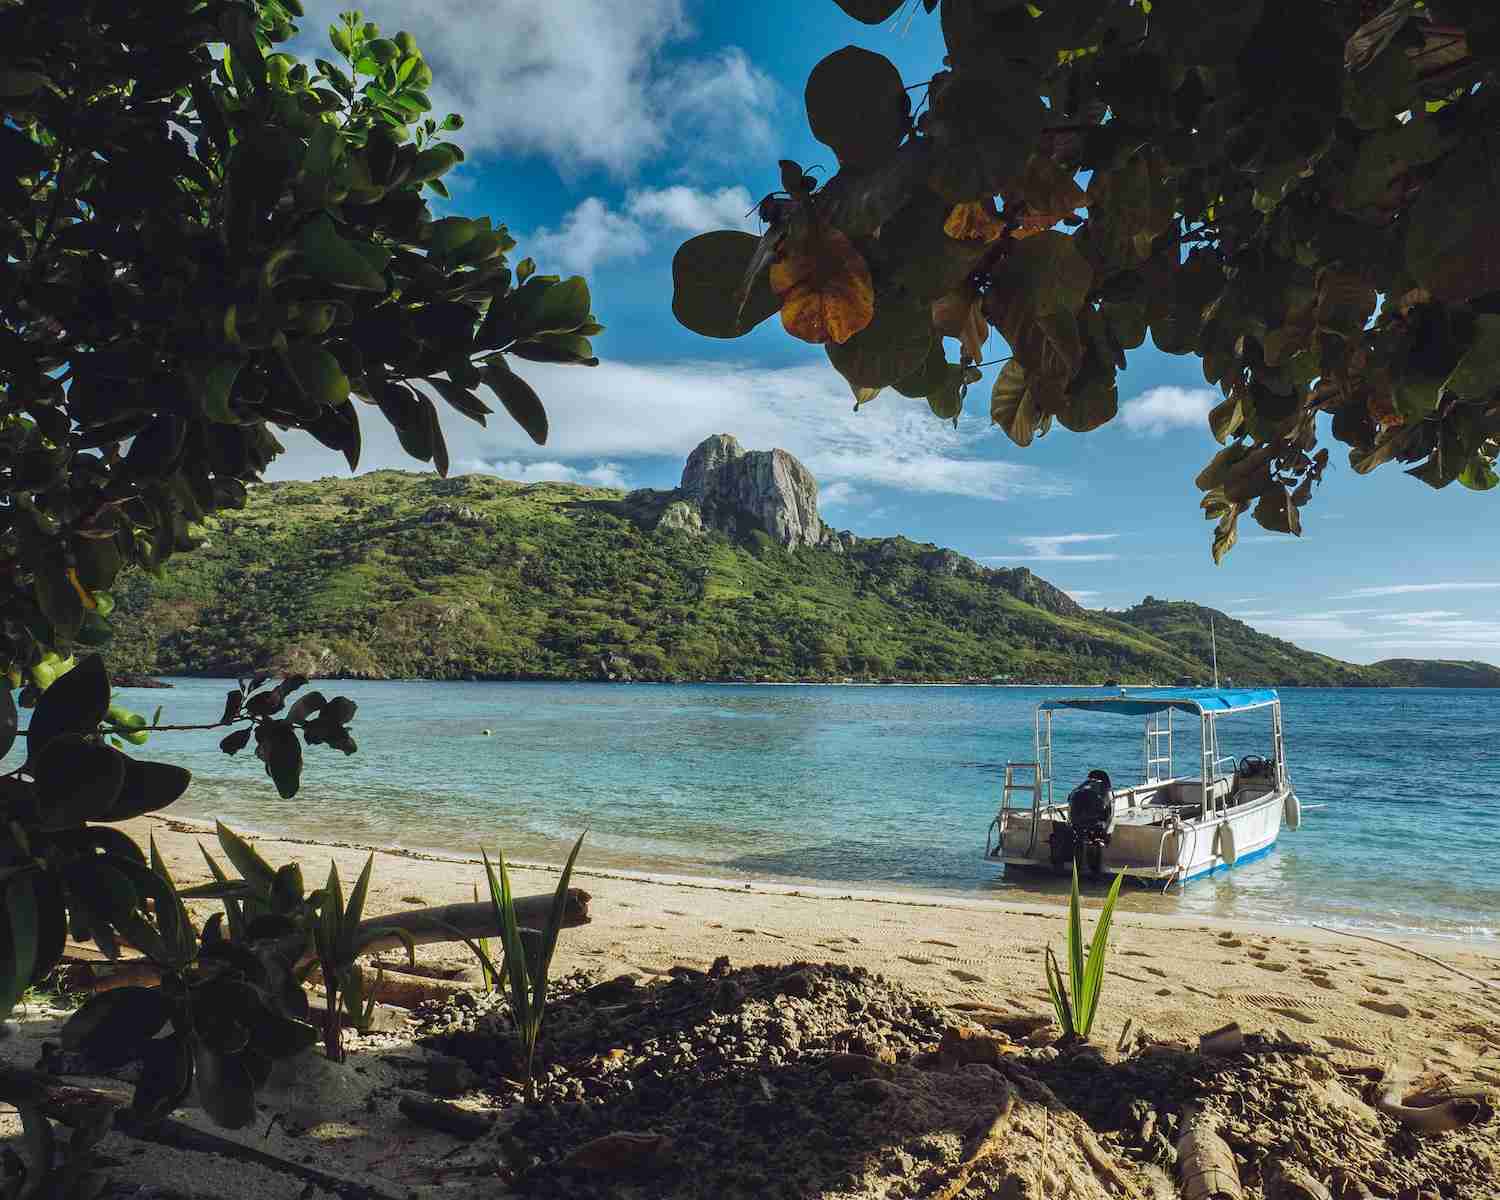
x: 1152, y: 700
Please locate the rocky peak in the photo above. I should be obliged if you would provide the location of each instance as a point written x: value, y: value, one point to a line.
x: 738, y: 491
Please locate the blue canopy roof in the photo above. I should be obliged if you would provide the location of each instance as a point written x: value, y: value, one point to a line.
x: 1140, y: 701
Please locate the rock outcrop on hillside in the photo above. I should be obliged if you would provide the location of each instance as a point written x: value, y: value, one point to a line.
x: 738, y: 491
x: 729, y: 489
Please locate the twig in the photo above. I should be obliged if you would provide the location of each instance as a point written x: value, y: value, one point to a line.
x: 72, y: 1106
x: 1437, y: 962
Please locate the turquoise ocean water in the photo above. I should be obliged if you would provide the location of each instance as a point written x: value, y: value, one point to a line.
x: 877, y: 787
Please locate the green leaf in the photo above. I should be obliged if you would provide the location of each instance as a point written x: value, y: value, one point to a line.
x: 461, y: 399
x: 554, y: 928
x: 78, y: 779
x: 355, y: 913
x: 1075, y: 947
x: 1477, y: 374
x: 253, y: 869
x: 1012, y: 406
x: 871, y: 12
x: 1479, y: 475
x: 317, y: 374
x: 18, y: 954
x: 707, y: 272
x: 339, y: 37
x: 1093, y: 979
x: 890, y: 348
x: 564, y: 307
x: 281, y: 750
x: 519, y: 399
x: 331, y: 920
x: 1453, y: 228
x: 165, y: 1080
x: 75, y: 703
x: 116, y: 1024
x: 224, y: 1086
x: 149, y: 787
x: 1225, y: 418
x: 857, y: 105
x: 327, y: 256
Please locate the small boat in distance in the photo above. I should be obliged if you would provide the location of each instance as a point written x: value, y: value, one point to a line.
x: 1171, y: 828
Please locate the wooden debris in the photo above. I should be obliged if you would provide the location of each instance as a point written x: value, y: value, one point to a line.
x: 1014, y: 1025
x: 961, y: 1045
x: 89, y: 977
x: 979, y: 1148
x: 1432, y: 1104
x: 1205, y: 1164
x: 1227, y: 1039
x: 618, y: 1152
x: 446, y: 1117
x: 401, y: 989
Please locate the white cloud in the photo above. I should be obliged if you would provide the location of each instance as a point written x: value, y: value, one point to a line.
x: 689, y: 210
x: 1082, y: 595
x: 1431, y: 633
x: 1049, y: 548
x: 1408, y: 589
x: 605, y: 474
x: 618, y: 412
x: 840, y: 494
x: 589, y: 235
x: 1161, y: 409
x: 726, y: 101
x: 594, y: 233
x: 586, y: 83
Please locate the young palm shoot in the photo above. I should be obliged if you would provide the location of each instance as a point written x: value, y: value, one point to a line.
x: 1076, y: 1016
x: 339, y: 942
x: 525, y: 974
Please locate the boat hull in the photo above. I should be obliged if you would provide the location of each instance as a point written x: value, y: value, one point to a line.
x: 1156, y: 846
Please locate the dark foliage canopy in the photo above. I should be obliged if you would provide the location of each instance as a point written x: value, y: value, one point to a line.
x: 203, y: 239
x: 1302, y: 193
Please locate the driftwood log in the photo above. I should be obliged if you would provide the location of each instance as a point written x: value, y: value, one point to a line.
x: 88, y: 971
x: 447, y: 922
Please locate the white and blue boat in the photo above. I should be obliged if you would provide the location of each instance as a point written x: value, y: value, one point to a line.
x: 1171, y: 828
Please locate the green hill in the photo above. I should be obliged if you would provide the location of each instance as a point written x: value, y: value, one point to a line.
x: 1421, y: 672
x: 1245, y: 655
x: 395, y: 575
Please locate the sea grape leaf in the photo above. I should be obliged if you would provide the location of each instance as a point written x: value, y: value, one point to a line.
x: 706, y: 274
x: 857, y: 106
x: 892, y: 346
x: 825, y: 288
x: 1012, y: 406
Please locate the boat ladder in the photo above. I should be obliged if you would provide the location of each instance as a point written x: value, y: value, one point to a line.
x: 1158, y: 746
x: 1015, y: 781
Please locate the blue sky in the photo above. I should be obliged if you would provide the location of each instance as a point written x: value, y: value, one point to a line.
x: 604, y: 133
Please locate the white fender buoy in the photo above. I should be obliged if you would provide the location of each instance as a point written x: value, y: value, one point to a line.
x: 1292, y: 810
x: 1225, y: 846
x: 485, y: 732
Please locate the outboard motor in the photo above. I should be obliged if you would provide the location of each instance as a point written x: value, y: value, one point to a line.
x: 1091, y: 823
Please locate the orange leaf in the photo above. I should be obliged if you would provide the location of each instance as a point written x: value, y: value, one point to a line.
x: 825, y: 288
x: 974, y: 221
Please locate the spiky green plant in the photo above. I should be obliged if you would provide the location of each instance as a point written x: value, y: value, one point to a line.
x: 1087, y: 977
x: 487, y: 951
x: 524, y: 969
x: 340, y: 941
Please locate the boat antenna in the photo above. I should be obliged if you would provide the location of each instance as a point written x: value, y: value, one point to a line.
x: 1214, y: 639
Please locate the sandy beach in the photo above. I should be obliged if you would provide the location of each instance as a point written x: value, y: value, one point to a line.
x: 1417, y: 1005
